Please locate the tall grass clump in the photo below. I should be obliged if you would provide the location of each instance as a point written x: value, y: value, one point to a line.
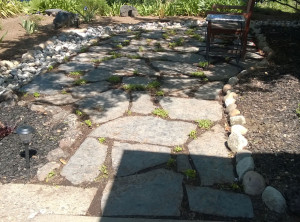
x: 10, y: 8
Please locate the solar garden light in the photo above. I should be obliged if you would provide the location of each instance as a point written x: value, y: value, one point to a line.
x: 26, y: 133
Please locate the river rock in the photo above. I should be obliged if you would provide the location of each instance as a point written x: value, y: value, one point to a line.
x: 274, y: 200
x: 253, y: 183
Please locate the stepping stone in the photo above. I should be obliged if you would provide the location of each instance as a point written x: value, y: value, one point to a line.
x: 58, y: 100
x: 20, y: 202
x: 153, y: 35
x: 84, y: 164
x: 136, y: 48
x: 221, y: 72
x: 175, y: 57
x: 209, y: 201
x: 75, y: 66
x: 97, y: 75
x: 48, y: 83
x: 209, y: 91
x: 173, y: 84
x: 89, y: 90
x: 137, y: 80
x: 155, y: 193
x: 186, y: 49
x: 174, y: 68
x: 210, y: 157
x: 141, y: 103
x: 146, y: 129
x: 102, y: 48
x: 194, y: 109
x: 89, y: 56
x: 105, y: 106
x: 131, y: 158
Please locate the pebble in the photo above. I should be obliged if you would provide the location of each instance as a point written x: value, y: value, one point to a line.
x: 274, y: 200
x: 233, y: 81
x: 244, y: 165
x: 253, y: 183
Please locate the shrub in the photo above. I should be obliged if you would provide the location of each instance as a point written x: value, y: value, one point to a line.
x: 10, y: 8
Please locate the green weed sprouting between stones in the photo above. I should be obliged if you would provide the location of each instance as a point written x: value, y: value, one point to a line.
x: 190, y: 173
x: 153, y: 85
x: 50, y: 175
x: 171, y: 163
x: 149, y: 41
x: 129, y: 112
x: 76, y: 73
x: 134, y: 87
x: 158, y: 47
x: 66, y: 59
x: 114, y: 79
x: 64, y: 91
x: 80, y: 82
x: 88, y: 122
x: 141, y: 49
x: 178, y: 42
x: 78, y: 112
x: 104, y: 173
x: 101, y: 139
x: 83, y: 49
x: 160, y: 112
x: 204, y: 123
x: 177, y: 149
x: 193, y: 134
x: 135, y: 72
x: 190, y: 32
x: 126, y: 42
x: 36, y: 94
x: 119, y: 46
x: 236, y: 187
x: 198, y: 74
x: 134, y: 56
x: 165, y: 36
x: 160, y: 93
x: 50, y: 68
x: 203, y: 64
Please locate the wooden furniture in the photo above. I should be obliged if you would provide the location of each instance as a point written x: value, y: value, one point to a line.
x: 221, y: 22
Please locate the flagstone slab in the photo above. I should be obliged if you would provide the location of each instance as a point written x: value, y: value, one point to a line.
x: 210, y: 201
x: 141, y: 103
x: 137, y: 80
x: 99, y: 74
x: 48, y: 83
x: 175, y: 57
x: 211, y: 157
x: 171, y: 84
x: 89, y: 56
x: 146, y: 129
x: 58, y: 99
x: 153, y: 35
x: 84, y: 165
x: 21, y: 202
x: 191, y: 109
x: 90, y: 89
x: 101, y: 48
x: 155, y: 193
x: 174, y: 68
x: 209, y: 91
x: 129, y: 158
x: 105, y: 106
x: 75, y: 66
x: 186, y: 48
x: 222, y: 72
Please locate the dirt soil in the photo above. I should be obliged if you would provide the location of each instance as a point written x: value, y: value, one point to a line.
x: 269, y: 99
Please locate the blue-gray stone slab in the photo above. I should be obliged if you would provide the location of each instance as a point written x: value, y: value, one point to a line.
x: 97, y: 75
x: 221, y: 72
x: 75, y: 66
x: 209, y: 201
x: 155, y: 193
x: 48, y: 83
x: 174, y: 68
x: 89, y: 90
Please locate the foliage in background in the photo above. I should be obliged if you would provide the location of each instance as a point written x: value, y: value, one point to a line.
x: 290, y: 6
x: 90, y: 8
x: 31, y: 24
x: 10, y: 8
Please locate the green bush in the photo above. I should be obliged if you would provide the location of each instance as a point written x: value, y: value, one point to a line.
x: 10, y: 8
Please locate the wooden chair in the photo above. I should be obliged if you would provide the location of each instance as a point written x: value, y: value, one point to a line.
x: 221, y: 22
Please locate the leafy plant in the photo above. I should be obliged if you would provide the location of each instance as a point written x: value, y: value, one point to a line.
x: 104, y: 173
x: 160, y: 93
x: 153, y: 85
x: 134, y: 87
x: 133, y: 56
x: 129, y: 112
x: 88, y: 122
x: 158, y: 47
x: 114, y: 79
x: 204, y: 123
x: 203, y: 64
x: 50, y: 68
x: 178, y: 149
x: 171, y: 163
x: 78, y: 112
x: 101, y: 139
x: 135, y: 72
x: 83, y: 49
x: 178, y: 42
x: 29, y: 26
x: 10, y: 8
x: 126, y: 42
x: 298, y: 110
x: 119, y: 46
x: 193, y: 134
x: 79, y: 82
x: 50, y: 175
x: 198, y: 74
x: 160, y: 112
x: 76, y: 73
x: 88, y: 9
x: 141, y: 49
x: 190, y: 173
x: 36, y: 94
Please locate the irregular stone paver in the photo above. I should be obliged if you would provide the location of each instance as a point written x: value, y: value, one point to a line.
x: 105, y: 106
x: 97, y: 75
x: 222, y: 203
x: 153, y: 35
x: 209, y: 91
x: 221, y: 72
x: 130, y: 158
x: 89, y: 56
x: 141, y: 103
x: 186, y: 48
x: 146, y: 129
x: 193, y: 109
x: 19, y: 202
x: 179, y: 86
x: 137, y: 80
x: 174, y: 68
x: 175, y: 57
x: 210, y: 157
x: 156, y: 193
x: 102, y: 48
x: 75, y: 66
x: 84, y: 164
x: 58, y: 100
x: 48, y: 83
x: 43, y: 172
x: 183, y: 163
x: 89, y: 90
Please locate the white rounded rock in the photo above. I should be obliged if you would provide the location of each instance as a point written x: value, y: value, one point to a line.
x: 239, y: 129
x: 229, y: 101
x: 236, y: 142
x: 237, y: 120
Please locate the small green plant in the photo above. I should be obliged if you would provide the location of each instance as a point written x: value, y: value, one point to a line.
x: 149, y: 41
x: 193, y: 134
x: 204, y: 123
x: 178, y: 149
x: 101, y: 139
x: 80, y: 82
x: 134, y: 87
x: 298, y: 111
x: 178, y: 42
x: 158, y: 47
x: 203, y: 64
x: 160, y: 112
x: 160, y: 93
x: 83, y: 49
x: 171, y: 32
x: 29, y: 26
x: 153, y: 85
x: 64, y: 91
x: 190, y: 173
x: 198, y: 37
x: 165, y: 36
x: 138, y: 35
x: 50, y: 68
x: 134, y: 56
x: 88, y: 122
x: 236, y: 187
x: 50, y: 175
x: 78, y: 112
x: 171, y: 163
x: 104, y: 173
x: 126, y: 42
x: 141, y: 49
x: 199, y: 74
x: 115, y: 55
x: 119, y: 46
x: 129, y: 112
x: 114, y: 79
x: 66, y: 58
x: 76, y: 73
x: 135, y: 72
x: 36, y: 94
x: 190, y: 32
